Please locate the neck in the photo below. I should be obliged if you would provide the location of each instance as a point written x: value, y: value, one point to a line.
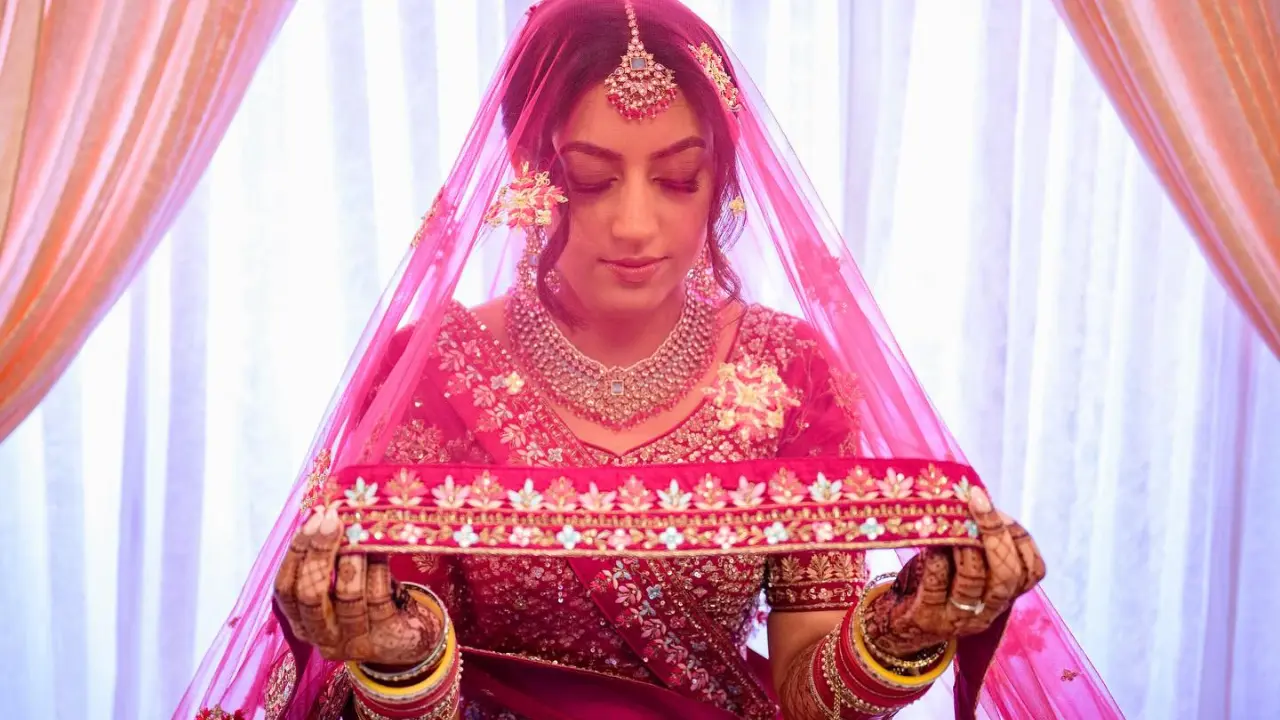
x: 622, y: 339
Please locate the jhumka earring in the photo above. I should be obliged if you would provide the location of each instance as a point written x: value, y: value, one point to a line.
x: 526, y: 203
x: 702, y: 277
x: 527, y: 268
x: 640, y: 87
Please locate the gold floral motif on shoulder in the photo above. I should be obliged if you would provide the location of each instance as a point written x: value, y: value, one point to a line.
x: 751, y: 400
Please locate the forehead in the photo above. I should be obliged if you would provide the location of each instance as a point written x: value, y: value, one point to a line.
x: 594, y: 120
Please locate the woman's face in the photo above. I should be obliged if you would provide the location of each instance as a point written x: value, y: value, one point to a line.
x: 639, y: 200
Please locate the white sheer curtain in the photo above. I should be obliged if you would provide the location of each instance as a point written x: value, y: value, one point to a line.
x: 1046, y: 292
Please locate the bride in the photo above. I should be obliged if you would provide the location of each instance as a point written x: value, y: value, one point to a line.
x: 581, y: 498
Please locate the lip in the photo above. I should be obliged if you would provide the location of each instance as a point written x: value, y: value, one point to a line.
x: 634, y: 270
x: 634, y: 262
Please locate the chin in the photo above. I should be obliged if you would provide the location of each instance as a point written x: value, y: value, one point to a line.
x: 617, y: 299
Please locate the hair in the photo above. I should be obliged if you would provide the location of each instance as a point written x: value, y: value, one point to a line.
x: 569, y: 46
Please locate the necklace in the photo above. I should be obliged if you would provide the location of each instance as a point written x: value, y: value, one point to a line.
x: 615, y: 397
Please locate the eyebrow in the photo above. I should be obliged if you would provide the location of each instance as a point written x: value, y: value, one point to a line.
x: 586, y: 148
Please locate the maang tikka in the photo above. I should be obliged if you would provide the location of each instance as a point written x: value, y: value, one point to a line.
x: 640, y: 87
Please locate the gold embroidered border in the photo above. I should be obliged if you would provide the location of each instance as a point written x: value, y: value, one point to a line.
x: 775, y: 506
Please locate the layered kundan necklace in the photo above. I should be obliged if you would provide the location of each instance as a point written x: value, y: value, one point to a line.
x: 618, y: 398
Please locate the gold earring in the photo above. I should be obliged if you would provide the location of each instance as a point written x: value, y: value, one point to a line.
x: 527, y: 268
x: 702, y: 278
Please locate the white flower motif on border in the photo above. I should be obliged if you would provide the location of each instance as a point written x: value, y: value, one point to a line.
x: 466, y: 536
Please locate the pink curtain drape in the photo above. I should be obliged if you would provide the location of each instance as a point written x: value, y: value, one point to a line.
x: 109, y: 114
x: 1197, y: 82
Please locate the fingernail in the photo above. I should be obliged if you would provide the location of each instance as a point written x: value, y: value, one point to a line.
x: 981, y: 503
x: 313, y: 524
x: 330, y: 524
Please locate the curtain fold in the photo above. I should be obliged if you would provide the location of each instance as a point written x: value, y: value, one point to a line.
x: 1197, y: 82
x: 111, y: 112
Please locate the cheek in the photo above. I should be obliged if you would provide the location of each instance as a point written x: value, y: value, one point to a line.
x: 688, y: 232
x: 577, y: 260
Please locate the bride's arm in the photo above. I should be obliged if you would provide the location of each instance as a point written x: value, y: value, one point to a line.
x: 814, y: 629
x: 822, y: 667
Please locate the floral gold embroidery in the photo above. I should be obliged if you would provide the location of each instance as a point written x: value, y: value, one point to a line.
x: 319, y: 489
x: 431, y: 506
x: 504, y: 528
x: 751, y: 399
x: 217, y: 713
x: 526, y: 202
x: 416, y: 442
x: 280, y: 686
x: 713, y: 65
x: 438, y: 206
x: 814, y: 581
x: 405, y: 489
x: 333, y: 697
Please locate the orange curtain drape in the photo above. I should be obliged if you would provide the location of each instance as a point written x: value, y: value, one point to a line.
x: 1197, y: 82
x: 109, y: 113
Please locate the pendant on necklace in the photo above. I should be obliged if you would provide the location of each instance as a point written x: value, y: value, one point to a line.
x: 616, y: 388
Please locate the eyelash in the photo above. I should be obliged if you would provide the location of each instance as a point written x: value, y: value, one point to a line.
x: 681, y: 186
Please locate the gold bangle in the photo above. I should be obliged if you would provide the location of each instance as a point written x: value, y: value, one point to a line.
x: 884, y: 658
x: 842, y: 694
x: 831, y: 714
x: 893, y: 662
x: 445, y: 710
x: 419, y: 670
x: 886, y: 675
x: 403, y: 695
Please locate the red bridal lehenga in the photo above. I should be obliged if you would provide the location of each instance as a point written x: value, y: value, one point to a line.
x: 580, y: 583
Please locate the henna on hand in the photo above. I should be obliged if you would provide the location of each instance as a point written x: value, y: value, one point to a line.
x: 893, y: 629
x: 924, y: 607
x: 365, y: 616
x: 406, y: 639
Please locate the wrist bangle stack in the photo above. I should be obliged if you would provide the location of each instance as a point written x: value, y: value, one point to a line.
x: 429, y: 690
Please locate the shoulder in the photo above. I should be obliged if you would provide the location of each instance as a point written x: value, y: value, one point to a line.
x: 457, y: 324
x: 778, y: 338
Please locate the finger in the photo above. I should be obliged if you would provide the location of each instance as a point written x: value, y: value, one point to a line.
x: 987, y: 517
x: 967, y: 587
x: 935, y: 578
x: 286, y: 583
x: 379, y: 592
x: 1032, y: 561
x: 348, y: 594
x: 314, y: 577
x: 1006, y: 573
x: 1004, y: 562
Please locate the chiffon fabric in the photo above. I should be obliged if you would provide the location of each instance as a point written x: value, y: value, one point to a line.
x: 439, y: 450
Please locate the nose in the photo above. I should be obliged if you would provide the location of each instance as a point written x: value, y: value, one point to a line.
x: 636, y: 221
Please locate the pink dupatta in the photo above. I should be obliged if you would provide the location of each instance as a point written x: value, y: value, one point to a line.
x: 767, y: 217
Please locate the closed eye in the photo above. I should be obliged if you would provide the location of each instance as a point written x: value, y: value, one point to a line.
x: 689, y: 185
x: 590, y: 187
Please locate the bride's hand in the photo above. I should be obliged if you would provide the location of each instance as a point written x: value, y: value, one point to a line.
x: 349, y: 606
x: 944, y: 593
